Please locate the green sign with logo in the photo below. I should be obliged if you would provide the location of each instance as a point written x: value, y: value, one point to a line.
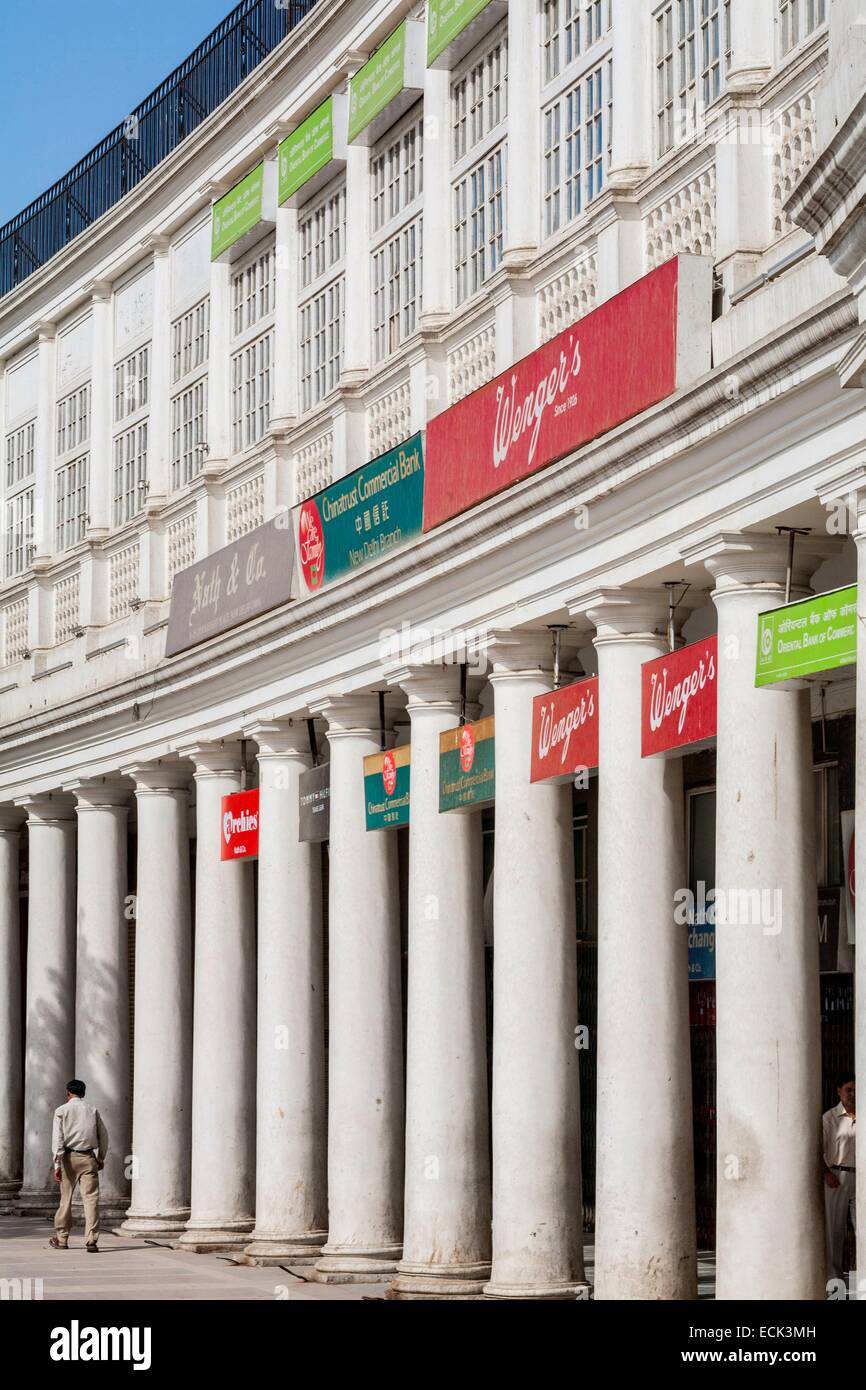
x: 360, y: 517
x: 445, y: 20
x: 238, y: 211
x: 386, y: 788
x: 805, y: 638
x: 377, y: 83
x: 467, y: 766
x: 307, y: 150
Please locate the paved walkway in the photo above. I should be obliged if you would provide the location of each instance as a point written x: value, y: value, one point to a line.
x: 132, y: 1269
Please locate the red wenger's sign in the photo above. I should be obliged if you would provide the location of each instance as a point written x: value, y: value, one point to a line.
x: 239, y: 825
x: 678, y: 698
x: 617, y: 361
x: 565, y: 731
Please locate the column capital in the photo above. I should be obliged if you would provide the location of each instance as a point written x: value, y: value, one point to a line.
x: 759, y: 559
x: 348, y: 715
x: 617, y: 612
x: 426, y: 685
x: 213, y: 759
x: 516, y: 653
x: 100, y: 793
x: 163, y: 775
x: 47, y: 808
x: 11, y: 820
x: 282, y: 738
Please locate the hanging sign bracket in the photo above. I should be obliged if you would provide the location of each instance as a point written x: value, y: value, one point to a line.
x: 556, y: 630
x: 792, y: 532
x: 673, y: 605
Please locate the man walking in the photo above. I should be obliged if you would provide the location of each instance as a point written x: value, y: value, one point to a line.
x: 80, y: 1142
x: 839, y: 1173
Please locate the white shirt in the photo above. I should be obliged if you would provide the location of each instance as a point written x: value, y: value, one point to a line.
x: 838, y: 1137
x: 78, y: 1125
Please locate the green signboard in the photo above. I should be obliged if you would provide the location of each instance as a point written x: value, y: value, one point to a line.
x: 467, y: 766
x: 805, y: 638
x: 445, y: 20
x: 238, y: 211
x: 386, y: 788
x: 378, y: 82
x: 360, y: 517
x: 307, y: 150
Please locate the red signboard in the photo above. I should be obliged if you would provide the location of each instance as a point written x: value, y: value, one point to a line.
x: 565, y: 731
x: 678, y: 698
x: 615, y: 362
x: 239, y: 825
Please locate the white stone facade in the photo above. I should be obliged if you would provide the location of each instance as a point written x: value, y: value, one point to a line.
x: 155, y: 406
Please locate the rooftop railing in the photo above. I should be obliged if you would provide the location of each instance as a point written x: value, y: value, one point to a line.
x: 148, y: 134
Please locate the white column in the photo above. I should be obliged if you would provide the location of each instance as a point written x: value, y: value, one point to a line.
x: 356, y: 345
x: 102, y: 972
x: 522, y: 189
x: 436, y: 269
x: 752, y: 40
x: 768, y: 1043
x: 218, y: 383
x: 286, y: 321
x: 43, y: 500
x: 159, y: 423
x: 11, y: 1061
x: 633, y: 128
x: 101, y: 405
x: 645, y: 1192
x: 49, y: 1048
x: 537, y: 1208
x: 446, y: 1244
x: 365, y: 1043
x: 224, y: 1019
x: 162, y: 1098
x: 291, y: 1178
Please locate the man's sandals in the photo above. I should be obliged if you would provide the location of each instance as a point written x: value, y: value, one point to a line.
x: 56, y: 1244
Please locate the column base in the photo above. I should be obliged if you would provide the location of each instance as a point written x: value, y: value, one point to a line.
x: 37, y: 1203
x: 429, y: 1281
x: 346, y: 1264
x: 276, y: 1248
x: 170, y: 1224
x: 205, y: 1240
x: 8, y: 1193
x: 563, y: 1293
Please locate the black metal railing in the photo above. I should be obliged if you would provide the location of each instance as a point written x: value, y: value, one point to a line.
x: 149, y: 133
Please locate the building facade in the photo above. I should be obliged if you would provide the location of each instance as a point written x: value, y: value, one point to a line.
x: 443, y: 1051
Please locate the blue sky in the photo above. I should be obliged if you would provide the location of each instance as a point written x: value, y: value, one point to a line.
x: 70, y: 70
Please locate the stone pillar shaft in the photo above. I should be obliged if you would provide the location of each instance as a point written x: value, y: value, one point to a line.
x: 365, y: 1045
x: 446, y: 1247
x: 102, y: 974
x: 645, y: 1196
x: 162, y: 1100
x: 768, y: 1043
x: 537, y: 1207
x: 12, y: 1095
x: 49, y: 1051
x: 291, y: 1176
x: 224, y: 1020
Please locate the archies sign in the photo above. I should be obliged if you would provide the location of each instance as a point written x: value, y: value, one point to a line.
x: 239, y: 825
x: 678, y: 698
x: 565, y: 731
x: 617, y: 361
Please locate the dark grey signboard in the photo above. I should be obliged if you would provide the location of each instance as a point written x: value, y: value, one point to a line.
x: 314, y: 804
x: 238, y: 582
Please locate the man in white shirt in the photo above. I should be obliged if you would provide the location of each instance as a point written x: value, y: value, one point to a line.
x: 839, y: 1173
x: 80, y: 1144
